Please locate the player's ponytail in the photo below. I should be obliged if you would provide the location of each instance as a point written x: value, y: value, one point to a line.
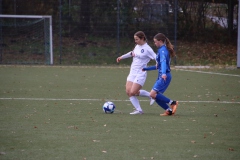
x: 170, y: 47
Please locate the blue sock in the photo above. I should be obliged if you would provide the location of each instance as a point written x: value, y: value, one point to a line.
x: 162, y: 98
x: 162, y: 104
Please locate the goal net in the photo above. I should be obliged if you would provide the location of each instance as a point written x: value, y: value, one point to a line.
x: 26, y: 39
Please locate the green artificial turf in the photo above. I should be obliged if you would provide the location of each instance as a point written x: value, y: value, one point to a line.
x: 56, y: 113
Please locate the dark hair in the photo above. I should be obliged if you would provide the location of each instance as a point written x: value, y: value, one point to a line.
x: 141, y: 35
x: 164, y: 39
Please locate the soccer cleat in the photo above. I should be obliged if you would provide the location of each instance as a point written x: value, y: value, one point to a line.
x: 167, y: 113
x: 174, y: 106
x: 152, y: 101
x: 136, y: 112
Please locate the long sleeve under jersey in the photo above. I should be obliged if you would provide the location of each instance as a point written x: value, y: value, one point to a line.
x: 163, y: 59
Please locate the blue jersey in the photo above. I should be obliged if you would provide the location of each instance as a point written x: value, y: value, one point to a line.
x: 163, y: 59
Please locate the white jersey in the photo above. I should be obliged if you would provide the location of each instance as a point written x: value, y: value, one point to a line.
x: 142, y: 54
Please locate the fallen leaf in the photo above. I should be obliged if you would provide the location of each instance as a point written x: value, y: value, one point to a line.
x: 205, y: 136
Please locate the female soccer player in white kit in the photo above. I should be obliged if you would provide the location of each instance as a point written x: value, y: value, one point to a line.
x: 141, y: 54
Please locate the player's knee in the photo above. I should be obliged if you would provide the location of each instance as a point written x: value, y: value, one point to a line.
x: 131, y: 93
x: 153, y: 95
x: 137, y: 93
x: 128, y: 92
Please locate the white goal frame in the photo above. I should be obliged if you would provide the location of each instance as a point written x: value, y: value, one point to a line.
x: 238, y: 43
x: 37, y: 16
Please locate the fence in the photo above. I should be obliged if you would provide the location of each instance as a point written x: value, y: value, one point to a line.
x: 96, y: 32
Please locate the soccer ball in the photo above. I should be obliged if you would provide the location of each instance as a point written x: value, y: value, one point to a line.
x: 108, y: 107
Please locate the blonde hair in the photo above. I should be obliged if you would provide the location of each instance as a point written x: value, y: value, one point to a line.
x: 164, y: 39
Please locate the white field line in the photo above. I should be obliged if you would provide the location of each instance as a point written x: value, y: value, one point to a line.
x: 64, y: 99
x: 181, y: 68
x: 222, y: 74
x: 177, y: 68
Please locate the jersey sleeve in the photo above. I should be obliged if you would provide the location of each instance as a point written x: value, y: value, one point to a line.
x: 127, y: 55
x: 163, y: 62
x: 152, y: 54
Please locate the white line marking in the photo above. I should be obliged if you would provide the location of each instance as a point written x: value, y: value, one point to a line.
x: 60, y: 99
x: 222, y: 74
x: 193, y: 67
x: 223, y: 102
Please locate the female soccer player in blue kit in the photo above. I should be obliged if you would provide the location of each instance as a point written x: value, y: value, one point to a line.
x: 165, y: 50
x: 141, y: 54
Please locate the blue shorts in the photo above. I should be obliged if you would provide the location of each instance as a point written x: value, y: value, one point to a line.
x: 161, y: 85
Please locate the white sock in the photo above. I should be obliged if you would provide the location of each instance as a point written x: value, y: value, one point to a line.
x: 135, y: 103
x: 144, y: 93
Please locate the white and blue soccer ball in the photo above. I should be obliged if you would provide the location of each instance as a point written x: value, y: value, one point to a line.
x: 109, y: 107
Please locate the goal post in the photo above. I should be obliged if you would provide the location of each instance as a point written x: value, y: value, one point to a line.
x: 26, y: 39
x: 238, y: 41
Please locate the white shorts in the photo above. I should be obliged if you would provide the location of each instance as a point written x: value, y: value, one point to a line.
x: 137, y: 77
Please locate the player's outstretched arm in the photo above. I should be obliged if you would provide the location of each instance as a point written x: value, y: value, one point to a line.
x: 149, y: 68
x: 127, y: 55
